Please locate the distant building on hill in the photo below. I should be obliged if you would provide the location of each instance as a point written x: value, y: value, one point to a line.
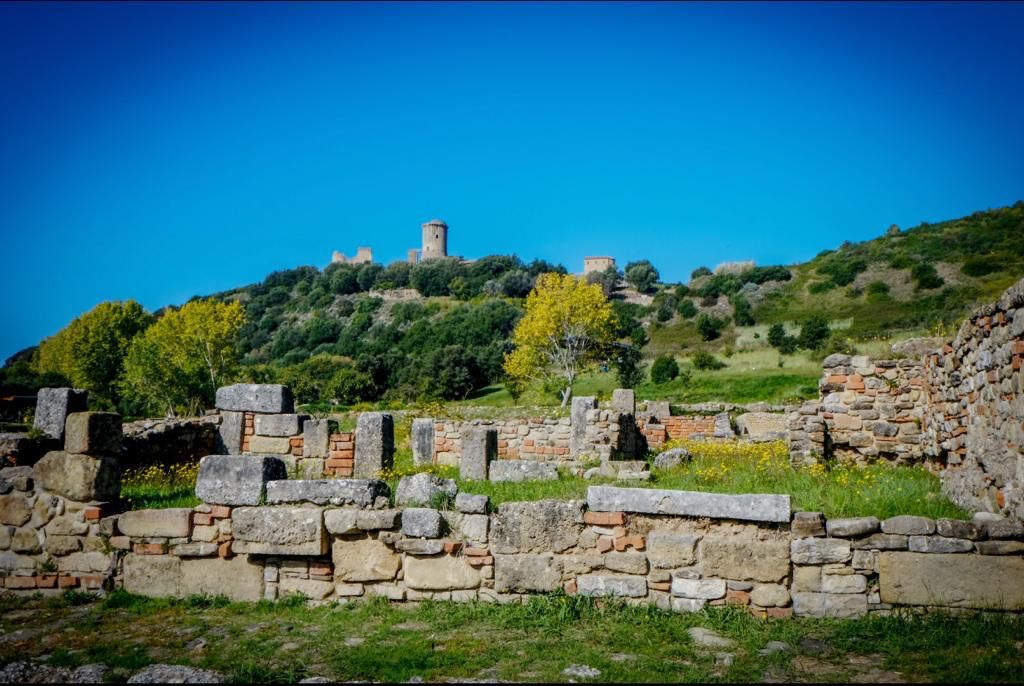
x: 597, y: 264
x: 364, y: 255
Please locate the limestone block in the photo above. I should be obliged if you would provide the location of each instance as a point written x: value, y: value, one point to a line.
x: 541, y: 526
x: 280, y: 425
x: 909, y: 525
x: 230, y: 432
x: 364, y: 559
x: 169, y: 523
x: 441, y: 573
x: 93, y: 433
x: 818, y: 551
x: 759, y: 508
x: 92, y: 562
x: 479, y: 448
x: 471, y: 504
x: 376, y: 520
x: 26, y: 540
x: 853, y: 527
x: 78, y: 477
x: 626, y: 562
x: 527, y: 573
x: 972, y: 581
x: 624, y: 401
x: 600, y: 585
x: 1005, y: 528
x: 62, y: 545
x: 999, y: 547
x: 375, y: 444
x: 881, y: 542
x: 13, y: 562
x: 579, y: 409
x: 279, y: 530
x: 955, y: 528
x: 688, y: 604
x: 421, y: 522
x: 673, y: 457
x: 53, y: 405
x: 194, y: 549
x: 746, y: 559
x: 14, y: 509
x: 424, y: 489
x: 262, y: 398
x: 316, y: 437
x: 357, y: 492
x: 808, y: 524
x: 770, y: 595
x: 708, y: 589
x: 238, y: 578
x: 671, y: 550
x: 237, y: 479
x: 152, y: 575
x: 422, y: 441
x: 311, y: 588
x: 420, y: 546
x: 659, y: 409
x: 523, y: 470
x: 939, y: 544
x: 341, y: 522
x: 574, y: 565
x: 472, y: 528
x: 270, y: 445
x: 832, y: 605
x: 843, y: 583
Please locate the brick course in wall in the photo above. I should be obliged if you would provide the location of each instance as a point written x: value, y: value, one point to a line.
x: 342, y: 456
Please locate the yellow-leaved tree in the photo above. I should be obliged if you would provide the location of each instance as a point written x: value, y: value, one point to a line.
x: 566, y: 324
x: 179, y: 362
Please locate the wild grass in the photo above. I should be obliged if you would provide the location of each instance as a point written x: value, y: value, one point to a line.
x: 160, y: 486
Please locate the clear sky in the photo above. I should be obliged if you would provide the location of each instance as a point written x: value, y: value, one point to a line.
x: 161, y: 151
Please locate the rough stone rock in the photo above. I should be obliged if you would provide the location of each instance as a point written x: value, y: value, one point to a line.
x: 169, y: 523
x: 763, y: 426
x: 420, y: 546
x: 78, y: 477
x: 175, y: 674
x: 626, y: 562
x: 818, y: 551
x: 808, y: 524
x: 260, y: 398
x: 423, y: 489
x: 916, y: 348
x: 375, y: 444
x: 672, y: 457
x: 14, y: 509
x: 441, y: 573
x: 659, y: 409
x: 422, y: 441
x: 909, y: 525
x: 881, y: 542
x: 26, y: 540
x: 471, y: 504
x: 971, y: 581
x: 93, y: 433
x: 522, y: 470
x: 376, y: 520
x: 465, y: 527
x: 59, y: 546
x: 67, y: 525
x: 316, y: 437
x: 834, y: 605
x: 670, y: 550
x: 230, y: 433
x: 237, y: 479
x: 541, y: 526
x: 836, y: 360
x: 708, y: 589
x: 843, y: 583
x: 1006, y: 528
x: 53, y: 405
x: 599, y: 585
x: 853, y: 527
x: 364, y: 560
x: 341, y: 522
x: 311, y: 588
x: 746, y: 559
x: 706, y: 638
x: 999, y: 547
x: 939, y: 544
x: 527, y: 573
x: 279, y: 530
x: 289, y: 424
x: 688, y: 604
x: 421, y: 522
x: 479, y: 448
x: 32, y: 672
x: 758, y: 508
x: 194, y: 549
x: 955, y: 528
x: 238, y: 578
x: 12, y: 562
x: 357, y: 492
x: 770, y: 595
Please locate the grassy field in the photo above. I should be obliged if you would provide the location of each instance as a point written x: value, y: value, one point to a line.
x: 439, y: 641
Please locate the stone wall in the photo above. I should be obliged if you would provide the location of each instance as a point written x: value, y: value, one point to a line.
x: 537, y: 438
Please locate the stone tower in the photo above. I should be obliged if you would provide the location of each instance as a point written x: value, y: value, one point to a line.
x: 435, y: 240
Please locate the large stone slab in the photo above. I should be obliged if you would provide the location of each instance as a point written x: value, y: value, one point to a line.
x: 753, y: 508
x: 479, y: 448
x: 624, y: 401
x: 363, y: 560
x: 230, y: 432
x: 316, y: 437
x: 78, y: 477
x: 170, y: 523
x: 578, y: 423
x: 597, y: 585
x: 422, y: 441
x: 743, y: 558
x: 819, y: 551
x: 440, y: 573
x: 53, y: 405
x: 375, y: 444
x: 527, y: 573
x: 279, y: 530
x: 358, y: 492
x: 93, y: 433
x: 287, y: 424
x: 949, y: 580
x: 237, y: 578
x: 536, y: 527
x: 706, y: 589
x: 670, y: 550
x: 154, y: 576
x: 832, y: 605
x: 523, y: 470
x: 237, y: 479
x: 251, y: 397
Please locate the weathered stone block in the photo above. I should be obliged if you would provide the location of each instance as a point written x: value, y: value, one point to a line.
x: 770, y: 595
x: 843, y: 583
x: 527, y: 573
x: 908, y: 525
x: 881, y: 542
x: 93, y: 433
x: 239, y: 578
x: 688, y: 604
x: 659, y: 408
x: 169, y: 523
x: 237, y: 479
x: 578, y: 423
x: 152, y: 575
x: 839, y: 605
x: 624, y: 401
x: 63, y: 545
x: 279, y: 425
x: 194, y: 549
x: 316, y: 437
x: 541, y: 526
x: 358, y: 492
x: 230, y: 432
x: 939, y: 544
x: 599, y: 585
x: 53, y: 405
x: 270, y: 445
x: 26, y: 540
x: 470, y: 528
x: 471, y: 504
x: 808, y: 524
x: 14, y: 509
x: 261, y: 398
x: 708, y: 589
x: 818, y: 551
x: 421, y: 522
x: 81, y: 478
x: 853, y: 527
x: 972, y: 581
x: 955, y: 528
x: 364, y: 559
x: 626, y: 562
x: 311, y: 588
x: 422, y: 441
x: 759, y: 508
x: 420, y: 546
x: 671, y: 550
x: 376, y: 520
x: 479, y: 448
x: 739, y: 558
x: 341, y: 522
x: 999, y: 547
x: 523, y: 470
x: 441, y: 573
x: 279, y: 530
x: 375, y: 444
x: 424, y: 489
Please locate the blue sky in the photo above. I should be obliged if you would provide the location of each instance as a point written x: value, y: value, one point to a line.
x: 161, y: 151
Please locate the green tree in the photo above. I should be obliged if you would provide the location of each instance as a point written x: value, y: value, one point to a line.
x: 608, y: 279
x: 642, y: 275
x: 686, y: 308
x: 925, y: 277
x: 628, y: 370
x: 742, y: 312
x: 709, y: 326
x: 664, y: 369
x: 814, y: 333
x: 699, y: 272
x: 776, y: 334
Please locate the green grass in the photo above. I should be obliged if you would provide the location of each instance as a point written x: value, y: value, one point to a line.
x: 157, y: 487
x: 435, y: 641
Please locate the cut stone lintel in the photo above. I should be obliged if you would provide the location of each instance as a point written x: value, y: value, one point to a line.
x: 747, y: 507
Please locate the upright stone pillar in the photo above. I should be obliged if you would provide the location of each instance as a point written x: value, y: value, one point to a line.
x: 578, y: 423
x: 422, y: 441
x: 479, y: 447
x: 624, y: 401
x: 375, y: 444
x: 232, y: 425
x: 53, y: 405
x: 316, y: 437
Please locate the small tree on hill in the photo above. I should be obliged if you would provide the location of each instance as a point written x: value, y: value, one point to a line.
x: 642, y: 275
x: 814, y: 333
x: 566, y: 323
x: 664, y: 369
x: 709, y: 326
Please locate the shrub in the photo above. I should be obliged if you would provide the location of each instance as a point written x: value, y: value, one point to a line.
x: 699, y: 272
x: 877, y: 291
x: 925, y: 276
x: 627, y: 367
x: 742, y: 312
x: 686, y: 308
x: 664, y: 369
x: 682, y: 290
x: 814, y: 333
x: 710, y: 327
x: 980, y: 266
x: 704, y: 360
x: 819, y: 287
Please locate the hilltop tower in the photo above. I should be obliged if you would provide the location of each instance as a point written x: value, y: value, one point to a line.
x: 435, y: 240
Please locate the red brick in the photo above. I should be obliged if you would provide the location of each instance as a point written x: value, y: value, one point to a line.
x: 623, y: 542
x: 570, y: 587
x: 452, y: 546
x: 476, y: 552
x: 224, y: 549
x: 480, y: 561
x: 220, y: 511
x: 200, y: 519
x: 93, y: 514
x: 737, y: 598
x: 46, y: 581
x: 295, y: 441
x: 836, y: 378
x: 20, y: 582
x: 67, y: 581
x: 780, y: 612
x: 325, y: 568
x: 605, y: 543
x: 1018, y: 347
x: 604, y: 518
x: 659, y: 585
